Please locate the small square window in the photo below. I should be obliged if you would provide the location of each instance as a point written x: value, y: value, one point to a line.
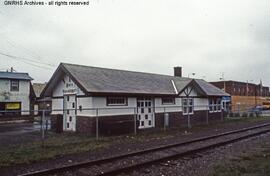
x: 14, y: 85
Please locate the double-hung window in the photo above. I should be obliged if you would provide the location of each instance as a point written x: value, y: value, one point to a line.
x: 215, y: 105
x: 188, y: 105
x: 219, y: 105
x: 14, y: 85
x: 116, y: 101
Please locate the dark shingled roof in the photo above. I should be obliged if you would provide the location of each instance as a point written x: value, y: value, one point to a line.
x: 96, y: 79
x: 104, y: 80
x: 15, y: 75
x: 210, y: 89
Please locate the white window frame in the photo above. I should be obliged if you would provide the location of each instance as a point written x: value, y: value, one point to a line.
x: 215, y: 105
x: 116, y: 103
x: 219, y: 104
x: 171, y: 103
x: 190, y: 104
x: 14, y: 83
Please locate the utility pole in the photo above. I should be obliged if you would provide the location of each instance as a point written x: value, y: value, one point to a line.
x: 223, y: 79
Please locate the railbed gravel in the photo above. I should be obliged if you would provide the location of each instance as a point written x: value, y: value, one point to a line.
x: 95, y: 170
x: 203, y: 164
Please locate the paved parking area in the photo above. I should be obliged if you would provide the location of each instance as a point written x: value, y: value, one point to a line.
x: 18, y: 133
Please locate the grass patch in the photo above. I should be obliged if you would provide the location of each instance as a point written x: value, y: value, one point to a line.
x: 54, y: 145
x: 246, y: 165
x: 246, y: 119
x: 70, y: 143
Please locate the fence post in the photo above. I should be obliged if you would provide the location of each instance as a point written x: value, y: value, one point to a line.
x: 42, y: 126
x: 164, y: 119
x: 46, y: 122
x: 135, y: 122
x: 207, y: 116
x: 97, y: 135
x: 189, y: 126
x: 221, y: 115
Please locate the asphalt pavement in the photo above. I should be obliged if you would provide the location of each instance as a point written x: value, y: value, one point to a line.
x: 18, y: 133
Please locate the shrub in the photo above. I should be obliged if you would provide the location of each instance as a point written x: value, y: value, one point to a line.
x: 244, y: 114
x: 237, y: 114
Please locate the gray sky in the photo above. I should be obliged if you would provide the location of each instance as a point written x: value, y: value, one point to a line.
x: 206, y: 37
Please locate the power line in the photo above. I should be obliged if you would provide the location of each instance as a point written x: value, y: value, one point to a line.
x: 28, y: 61
x: 13, y: 44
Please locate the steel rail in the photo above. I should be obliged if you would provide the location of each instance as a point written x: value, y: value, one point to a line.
x: 74, y: 166
x: 140, y: 165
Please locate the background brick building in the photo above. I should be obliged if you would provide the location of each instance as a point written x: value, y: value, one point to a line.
x: 245, y: 95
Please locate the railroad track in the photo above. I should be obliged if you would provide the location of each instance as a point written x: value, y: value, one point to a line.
x: 135, y: 160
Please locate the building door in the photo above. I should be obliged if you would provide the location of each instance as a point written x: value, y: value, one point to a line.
x: 69, y: 118
x: 146, y: 116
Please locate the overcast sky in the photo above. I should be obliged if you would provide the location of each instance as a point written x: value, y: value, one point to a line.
x: 205, y: 37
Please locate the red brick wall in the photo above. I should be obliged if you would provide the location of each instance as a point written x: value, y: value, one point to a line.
x: 121, y: 124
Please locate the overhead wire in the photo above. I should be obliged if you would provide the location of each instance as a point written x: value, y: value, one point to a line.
x: 28, y: 61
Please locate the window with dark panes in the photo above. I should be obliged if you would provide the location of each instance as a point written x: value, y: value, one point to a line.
x: 218, y: 105
x: 188, y: 105
x: 116, y: 101
x: 215, y: 105
x: 14, y: 85
x: 185, y: 105
x: 211, y: 105
x: 168, y: 100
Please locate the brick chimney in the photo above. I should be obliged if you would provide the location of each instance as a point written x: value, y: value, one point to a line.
x: 178, y: 71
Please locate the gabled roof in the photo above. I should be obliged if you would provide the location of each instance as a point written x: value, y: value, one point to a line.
x: 95, y: 80
x: 38, y: 88
x: 209, y: 89
x: 15, y: 75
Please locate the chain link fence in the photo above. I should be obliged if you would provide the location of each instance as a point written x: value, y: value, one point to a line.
x: 110, y: 120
